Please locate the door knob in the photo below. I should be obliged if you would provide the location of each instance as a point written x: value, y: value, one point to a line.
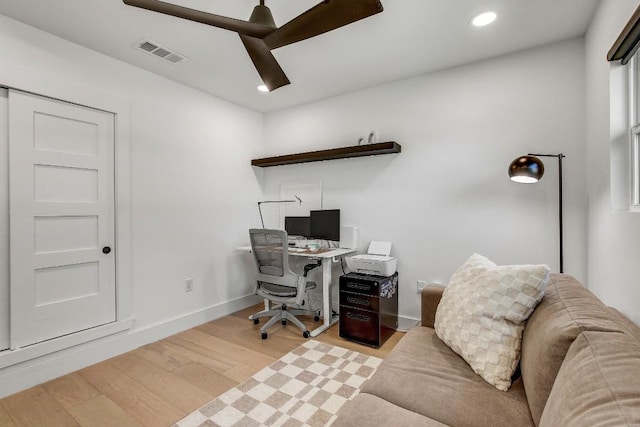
x: 106, y: 250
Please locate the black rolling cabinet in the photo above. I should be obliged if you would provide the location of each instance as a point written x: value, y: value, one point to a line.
x: 368, y: 308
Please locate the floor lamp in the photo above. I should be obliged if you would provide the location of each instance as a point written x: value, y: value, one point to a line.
x: 528, y: 170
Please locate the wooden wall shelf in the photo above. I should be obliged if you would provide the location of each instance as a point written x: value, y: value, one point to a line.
x: 331, y: 154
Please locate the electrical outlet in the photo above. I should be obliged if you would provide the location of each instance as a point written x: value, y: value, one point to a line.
x: 188, y: 285
x: 421, y: 285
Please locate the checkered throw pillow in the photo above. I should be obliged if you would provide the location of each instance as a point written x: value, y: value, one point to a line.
x: 482, y: 313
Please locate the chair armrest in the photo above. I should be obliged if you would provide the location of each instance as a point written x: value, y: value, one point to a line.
x: 309, y: 267
x: 429, y: 299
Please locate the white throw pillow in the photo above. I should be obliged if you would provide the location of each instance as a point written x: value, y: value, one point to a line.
x: 482, y: 313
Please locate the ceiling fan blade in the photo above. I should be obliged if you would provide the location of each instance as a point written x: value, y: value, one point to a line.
x: 322, y: 18
x: 264, y: 61
x: 232, y: 24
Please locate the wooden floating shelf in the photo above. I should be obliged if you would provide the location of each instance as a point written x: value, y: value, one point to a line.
x: 331, y: 154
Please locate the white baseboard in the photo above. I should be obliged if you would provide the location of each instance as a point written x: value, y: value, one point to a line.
x: 406, y: 323
x: 21, y: 376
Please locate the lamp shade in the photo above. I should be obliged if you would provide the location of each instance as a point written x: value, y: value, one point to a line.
x: 526, y: 169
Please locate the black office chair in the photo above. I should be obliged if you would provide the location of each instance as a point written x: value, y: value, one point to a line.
x: 277, y: 283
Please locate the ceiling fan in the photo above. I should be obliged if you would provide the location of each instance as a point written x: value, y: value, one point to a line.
x: 260, y: 34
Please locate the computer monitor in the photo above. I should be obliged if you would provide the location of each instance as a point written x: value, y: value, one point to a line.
x: 297, y: 225
x: 325, y: 224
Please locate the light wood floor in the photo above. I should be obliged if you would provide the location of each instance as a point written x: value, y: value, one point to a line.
x: 160, y: 383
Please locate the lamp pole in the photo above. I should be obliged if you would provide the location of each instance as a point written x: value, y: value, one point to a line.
x: 559, y: 156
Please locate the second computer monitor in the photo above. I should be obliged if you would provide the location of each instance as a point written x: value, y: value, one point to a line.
x: 325, y: 224
x: 297, y: 225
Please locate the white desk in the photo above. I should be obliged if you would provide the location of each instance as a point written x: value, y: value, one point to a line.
x: 327, y: 258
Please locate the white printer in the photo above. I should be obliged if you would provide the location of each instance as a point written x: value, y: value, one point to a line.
x: 376, y: 261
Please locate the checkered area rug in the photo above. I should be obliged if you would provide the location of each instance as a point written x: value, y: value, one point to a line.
x: 306, y: 387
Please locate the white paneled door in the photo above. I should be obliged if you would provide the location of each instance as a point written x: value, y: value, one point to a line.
x: 62, y: 231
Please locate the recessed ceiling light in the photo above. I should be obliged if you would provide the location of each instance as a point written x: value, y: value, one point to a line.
x: 483, y: 19
x: 263, y: 88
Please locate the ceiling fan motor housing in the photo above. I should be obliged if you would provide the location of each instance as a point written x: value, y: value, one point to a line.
x: 262, y: 15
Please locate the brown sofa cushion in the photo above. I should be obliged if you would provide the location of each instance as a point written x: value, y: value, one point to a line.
x: 423, y: 375
x: 597, y: 383
x: 629, y: 327
x: 567, y: 310
x: 429, y: 299
x: 368, y: 410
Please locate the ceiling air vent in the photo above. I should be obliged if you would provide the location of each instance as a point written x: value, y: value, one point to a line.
x: 160, y: 51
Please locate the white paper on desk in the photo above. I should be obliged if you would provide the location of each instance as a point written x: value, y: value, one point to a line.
x: 379, y: 248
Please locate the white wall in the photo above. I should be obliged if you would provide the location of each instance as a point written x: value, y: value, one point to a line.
x: 193, y: 193
x: 4, y: 222
x: 447, y: 194
x: 614, y: 247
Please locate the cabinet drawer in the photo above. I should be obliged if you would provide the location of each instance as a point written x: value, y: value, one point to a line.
x: 368, y: 287
x: 360, y: 326
x: 366, y: 302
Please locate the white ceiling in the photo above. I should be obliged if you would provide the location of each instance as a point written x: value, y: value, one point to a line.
x: 409, y: 38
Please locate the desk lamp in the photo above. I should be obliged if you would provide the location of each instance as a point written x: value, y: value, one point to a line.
x: 298, y: 199
x: 529, y: 169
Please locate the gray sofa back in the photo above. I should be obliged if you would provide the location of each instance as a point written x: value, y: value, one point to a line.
x: 567, y: 310
x: 604, y: 367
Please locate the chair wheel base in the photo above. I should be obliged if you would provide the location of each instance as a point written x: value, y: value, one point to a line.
x: 316, y: 318
x: 306, y: 334
x: 284, y: 322
x: 256, y: 321
x: 264, y: 335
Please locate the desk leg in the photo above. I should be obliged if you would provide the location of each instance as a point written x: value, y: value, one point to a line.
x: 327, y: 314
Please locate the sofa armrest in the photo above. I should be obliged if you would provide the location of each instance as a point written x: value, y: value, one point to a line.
x: 430, y: 298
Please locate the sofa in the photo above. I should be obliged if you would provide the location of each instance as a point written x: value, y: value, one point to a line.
x: 579, y: 366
